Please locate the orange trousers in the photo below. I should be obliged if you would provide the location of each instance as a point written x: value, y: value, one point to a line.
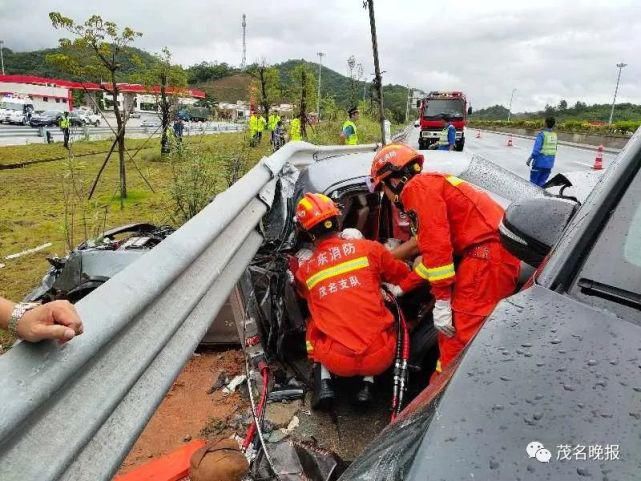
x: 342, y: 361
x: 486, y: 274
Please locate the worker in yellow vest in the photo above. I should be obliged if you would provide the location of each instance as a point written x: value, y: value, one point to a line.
x: 253, y: 129
x: 272, y: 122
x: 349, y: 135
x: 65, y: 124
x: 262, y: 124
x: 295, y: 130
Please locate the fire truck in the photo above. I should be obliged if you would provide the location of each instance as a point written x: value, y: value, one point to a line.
x: 433, y: 108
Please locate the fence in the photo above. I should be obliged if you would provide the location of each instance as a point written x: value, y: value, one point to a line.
x: 89, y: 132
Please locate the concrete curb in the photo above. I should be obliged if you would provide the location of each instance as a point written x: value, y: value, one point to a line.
x: 593, y: 148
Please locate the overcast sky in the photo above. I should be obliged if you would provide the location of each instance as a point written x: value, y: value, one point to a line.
x: 547, y: 50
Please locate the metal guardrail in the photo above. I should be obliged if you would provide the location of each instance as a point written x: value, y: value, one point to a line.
x: 73, y: 412
x: 402, y: 135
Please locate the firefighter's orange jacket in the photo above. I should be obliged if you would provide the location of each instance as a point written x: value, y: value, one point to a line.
x: 448, y: 216
x: 341, y: 283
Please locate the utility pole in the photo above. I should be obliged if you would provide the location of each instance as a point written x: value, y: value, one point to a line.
x: 243, y: 63
x: 2, y: 54
x: 509, y: 109
x: 616, y: 89
x: 407, y: 106
x: 377, y: 69
x: 320, y: 69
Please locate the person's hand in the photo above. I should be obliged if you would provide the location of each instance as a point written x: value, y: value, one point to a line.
x: 54, y: 320
x: 529, y: 161
x: 442, y: 314
x: 393, y: 289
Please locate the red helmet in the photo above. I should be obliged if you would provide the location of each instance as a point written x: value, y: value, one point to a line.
x: 313, y: 209
x: 391, y: 159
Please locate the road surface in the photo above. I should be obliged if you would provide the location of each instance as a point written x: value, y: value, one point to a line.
x: 493, y: 147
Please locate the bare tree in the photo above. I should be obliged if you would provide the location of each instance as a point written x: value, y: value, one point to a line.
x: 98, y: 51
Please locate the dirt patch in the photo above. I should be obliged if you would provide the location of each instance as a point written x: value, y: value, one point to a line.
x: 188, y: 411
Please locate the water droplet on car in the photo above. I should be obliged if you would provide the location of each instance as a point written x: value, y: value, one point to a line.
x: 592, y: 362
x: 555, y: 341
x: 494, y: 464
x: 583, y: 472
x: 504, y: 378
x: 537, y: 416
x: 614, y: 362
x: 526, y: 344
x: 568, y: 387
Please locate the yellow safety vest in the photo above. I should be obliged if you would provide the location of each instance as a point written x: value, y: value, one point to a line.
x: 352, y: 139
x: 442, y: 138
x: 261, y: 123
x: 253, y: 124
x: 549, y: 143
x: 273, y: 121
x: 294, y: 130
x: 65, y: 123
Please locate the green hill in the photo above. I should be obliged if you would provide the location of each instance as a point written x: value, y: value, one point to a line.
x: 35, y: 63
x: 562, y: 112
x: 221, y: 81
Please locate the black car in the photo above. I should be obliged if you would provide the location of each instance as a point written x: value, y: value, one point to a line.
x: 47, y: 118
x: 550, y: 388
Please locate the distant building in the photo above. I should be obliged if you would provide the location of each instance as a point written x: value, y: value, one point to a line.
x: 57, y: 94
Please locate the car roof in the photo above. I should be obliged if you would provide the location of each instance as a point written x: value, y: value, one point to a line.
x: 326, y: 175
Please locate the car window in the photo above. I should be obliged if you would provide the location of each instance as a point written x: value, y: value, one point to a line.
x: 611, y: 274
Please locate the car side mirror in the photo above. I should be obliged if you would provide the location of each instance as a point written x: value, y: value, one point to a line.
x: 531, y: 227
x: 469, y: 110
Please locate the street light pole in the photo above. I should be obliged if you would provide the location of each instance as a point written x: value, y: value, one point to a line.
x: 2, y: 54
x: 509, y: 109
x: 320, y: 66
x: 377, y: 68
x: 616, y: 89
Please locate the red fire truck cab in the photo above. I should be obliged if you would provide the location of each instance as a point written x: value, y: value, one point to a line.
x: 433, y: 108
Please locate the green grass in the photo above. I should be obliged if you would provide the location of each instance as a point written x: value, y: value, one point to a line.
x: 33, y: 197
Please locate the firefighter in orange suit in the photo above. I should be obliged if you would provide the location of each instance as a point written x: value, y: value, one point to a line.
x: 456, y: 230
x: 350, y: 331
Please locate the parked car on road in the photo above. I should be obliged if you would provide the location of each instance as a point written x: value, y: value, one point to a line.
x: 77, y: 120
x: 47, y: 118
x: 87, y: 116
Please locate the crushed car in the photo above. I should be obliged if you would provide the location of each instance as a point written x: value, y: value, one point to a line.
x: 271, y: 318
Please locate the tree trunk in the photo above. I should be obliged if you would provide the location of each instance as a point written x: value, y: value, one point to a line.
x: 164, y: 110
x: 303, y: 105
x: 263, y: 91
x: 120, y: 137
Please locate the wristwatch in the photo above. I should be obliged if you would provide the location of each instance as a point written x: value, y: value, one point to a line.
x: 19, y: 310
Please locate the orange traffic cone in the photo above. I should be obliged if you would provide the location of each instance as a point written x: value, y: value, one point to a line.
x: 598, y: 160
x: 509, y: 141
x: 478, y: 133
